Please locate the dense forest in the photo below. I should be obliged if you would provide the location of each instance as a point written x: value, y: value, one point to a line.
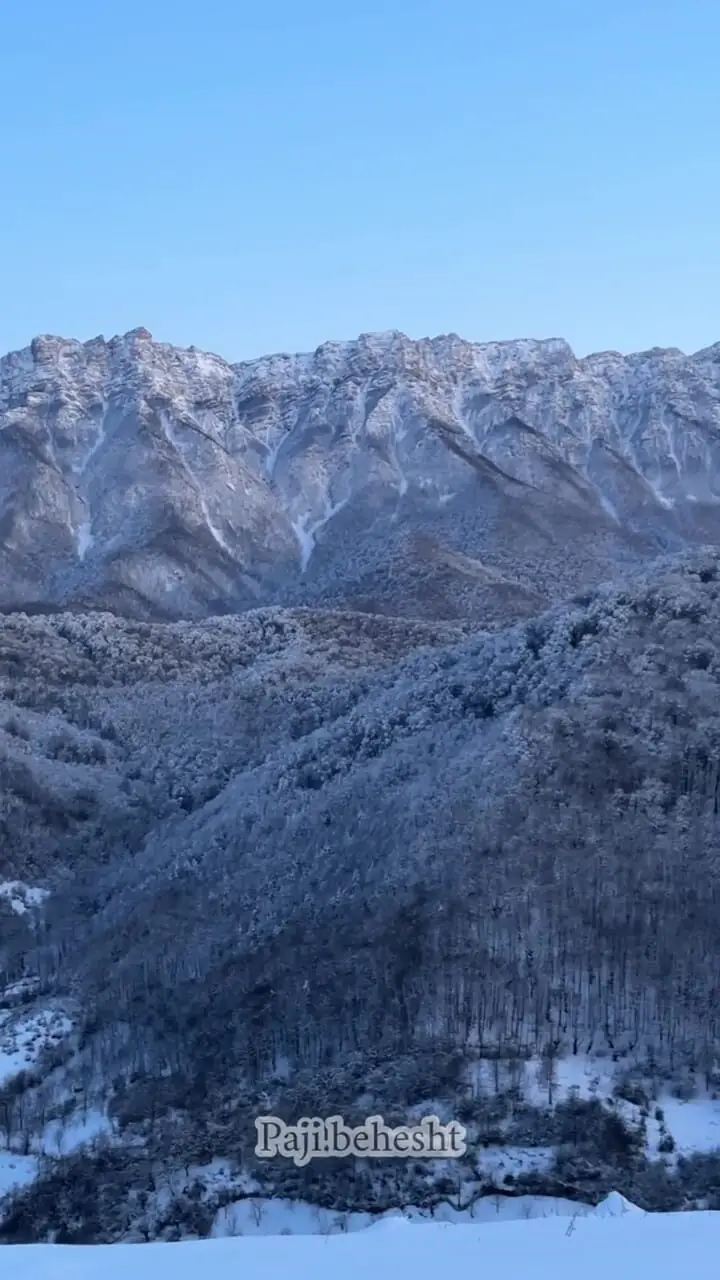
x: 297, y: 852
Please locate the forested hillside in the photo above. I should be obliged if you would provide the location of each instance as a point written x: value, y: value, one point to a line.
x: 314, y: 856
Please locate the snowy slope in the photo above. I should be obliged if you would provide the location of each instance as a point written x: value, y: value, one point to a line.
x: 664, y: 1247
x: 144, y: 477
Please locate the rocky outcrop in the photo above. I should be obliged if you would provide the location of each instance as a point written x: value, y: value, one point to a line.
x: 431, y: 478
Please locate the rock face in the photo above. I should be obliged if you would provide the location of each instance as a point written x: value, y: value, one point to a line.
x: 434, y: 478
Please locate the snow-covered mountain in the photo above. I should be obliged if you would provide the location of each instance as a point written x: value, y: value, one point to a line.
x: 385, y: 840
x: 431, y: 477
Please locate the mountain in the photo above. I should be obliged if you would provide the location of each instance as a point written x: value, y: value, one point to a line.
x: 334, y: 781
x: 432, y: 479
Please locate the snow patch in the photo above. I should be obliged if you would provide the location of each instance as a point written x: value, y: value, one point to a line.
x: 23, y: 989
x: 85, y: 539
x: 607, y: 506
x: 16, y: 1171
x: 81, y: 464
x: 61, y: 1137
x: 260, y: 1216
x: 273, y: 450
x: 498, y: 1162
x: 459, y: 416
x: 403, y: 483
x: 23, y: 1038
x: 216, y: 533
x: 306, y: 529
x: 615, y: 1206
x: 695, y: 1125
x: 22, y: 897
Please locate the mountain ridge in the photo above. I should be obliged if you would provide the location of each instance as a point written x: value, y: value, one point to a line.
x: 165, y: 482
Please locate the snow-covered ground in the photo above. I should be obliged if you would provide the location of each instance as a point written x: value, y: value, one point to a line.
x: 543, y: 1084
x: 16, y: 1171
x: 264, y: 1217
x: 693, y: 1124
x: 23, y: 1037
x: 60, y: 1137
x: 22, y: 897
x: 621, y: 1245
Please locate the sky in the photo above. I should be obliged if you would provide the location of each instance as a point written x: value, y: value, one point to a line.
x: 259, y: 177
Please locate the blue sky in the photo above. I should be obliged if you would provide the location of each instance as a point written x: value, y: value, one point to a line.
x: 255, y: 177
